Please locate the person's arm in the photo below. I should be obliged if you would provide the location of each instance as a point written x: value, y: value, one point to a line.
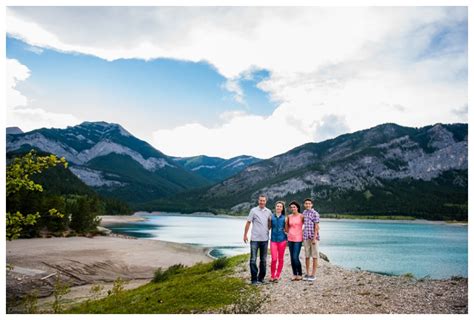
x: 247, y: 226
x: 316, y: 231
x: 270, y: 221
x: 286, y: 225
x: 316, y: 226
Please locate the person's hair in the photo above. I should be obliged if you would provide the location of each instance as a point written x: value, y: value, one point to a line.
x: 283, y: 204
x: 308, y: 199
x: 262, y: 196
x: 296, y: 204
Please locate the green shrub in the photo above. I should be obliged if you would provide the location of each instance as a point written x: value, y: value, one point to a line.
x: 60, y: 289
x: 30, y: 302
x: 118, y: 286
x: 162, y: 275
x: 220, y: 263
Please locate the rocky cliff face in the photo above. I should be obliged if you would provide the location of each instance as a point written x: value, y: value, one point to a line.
x: 352, y: 163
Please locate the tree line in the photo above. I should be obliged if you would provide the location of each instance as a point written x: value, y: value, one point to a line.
x: 45, y: 198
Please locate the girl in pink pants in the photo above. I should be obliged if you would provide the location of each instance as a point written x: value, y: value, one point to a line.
x: 278, y: 241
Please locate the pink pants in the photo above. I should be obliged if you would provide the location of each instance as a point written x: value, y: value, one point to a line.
x: 278, y: 254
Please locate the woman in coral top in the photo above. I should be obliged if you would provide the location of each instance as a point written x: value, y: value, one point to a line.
x: 294, y: 228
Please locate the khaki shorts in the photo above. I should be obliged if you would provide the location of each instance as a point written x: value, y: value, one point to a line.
x: 311, y: 249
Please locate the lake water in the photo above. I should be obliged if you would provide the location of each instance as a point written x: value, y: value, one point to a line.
x: 390, y: 247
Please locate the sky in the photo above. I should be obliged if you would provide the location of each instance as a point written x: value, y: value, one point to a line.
x: 227, y: 81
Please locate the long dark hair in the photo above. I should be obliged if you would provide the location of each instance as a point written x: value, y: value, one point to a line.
x: 296, y: 204
x: 283, y: 204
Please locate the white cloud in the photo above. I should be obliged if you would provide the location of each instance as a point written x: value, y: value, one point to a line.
x: 240, y: 134
x: 34, y: 49
x: 233, y: 86
x: 331, y: 69
x: 19, y: 114
x: 461, y: 113
x: 16, y: 72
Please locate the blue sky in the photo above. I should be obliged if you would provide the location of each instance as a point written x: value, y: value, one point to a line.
x: 226, y: 81
x: 167, y: 92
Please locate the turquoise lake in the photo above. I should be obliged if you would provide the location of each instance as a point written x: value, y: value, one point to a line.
x: 436, y: 250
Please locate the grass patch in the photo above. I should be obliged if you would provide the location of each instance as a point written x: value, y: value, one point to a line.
x: 197, y: 289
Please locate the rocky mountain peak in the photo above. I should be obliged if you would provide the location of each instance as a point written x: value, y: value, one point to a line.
x: 102, y: 127
x: 14, y: 130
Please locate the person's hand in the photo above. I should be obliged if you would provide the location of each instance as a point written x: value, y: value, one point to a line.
x: 246, y: 239
x: 314, y: 240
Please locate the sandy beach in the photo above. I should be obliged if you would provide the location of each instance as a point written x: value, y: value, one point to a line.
x: 83, y: 261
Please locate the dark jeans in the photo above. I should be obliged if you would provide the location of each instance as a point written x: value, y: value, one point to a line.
x: 261, y: 246
x: 295, y: 248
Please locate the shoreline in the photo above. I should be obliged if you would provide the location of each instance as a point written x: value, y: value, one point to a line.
x: 111, y: 220
x: 193, y: 214
x: 144, y: 214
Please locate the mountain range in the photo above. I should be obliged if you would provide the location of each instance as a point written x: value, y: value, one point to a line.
x: 387, y: 169
x: 214, y: 168
x: 109, y: 159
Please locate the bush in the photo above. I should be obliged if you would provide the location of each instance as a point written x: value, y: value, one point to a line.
x: 161, y: 275
x: 30, y: 302
x: 118, y: 286
x: 220, y: 263
x: 60, y: 289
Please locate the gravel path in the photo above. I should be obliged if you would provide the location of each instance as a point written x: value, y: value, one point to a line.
x: 340, y: 290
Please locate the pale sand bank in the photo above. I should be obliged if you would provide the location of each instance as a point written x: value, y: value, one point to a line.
x: 108, y: 220
x: 82, y: 261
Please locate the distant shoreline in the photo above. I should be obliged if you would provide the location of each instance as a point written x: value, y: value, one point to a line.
x: 110, y: 220
x: 343, y: 217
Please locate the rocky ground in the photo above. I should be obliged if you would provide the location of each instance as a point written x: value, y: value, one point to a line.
x: 339, y: 290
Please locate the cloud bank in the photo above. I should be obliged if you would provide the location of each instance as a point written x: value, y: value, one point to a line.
x: 331, y: 70
x: 19, y: 114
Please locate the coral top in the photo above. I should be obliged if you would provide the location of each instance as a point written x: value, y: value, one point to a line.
x: 295, y: 228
